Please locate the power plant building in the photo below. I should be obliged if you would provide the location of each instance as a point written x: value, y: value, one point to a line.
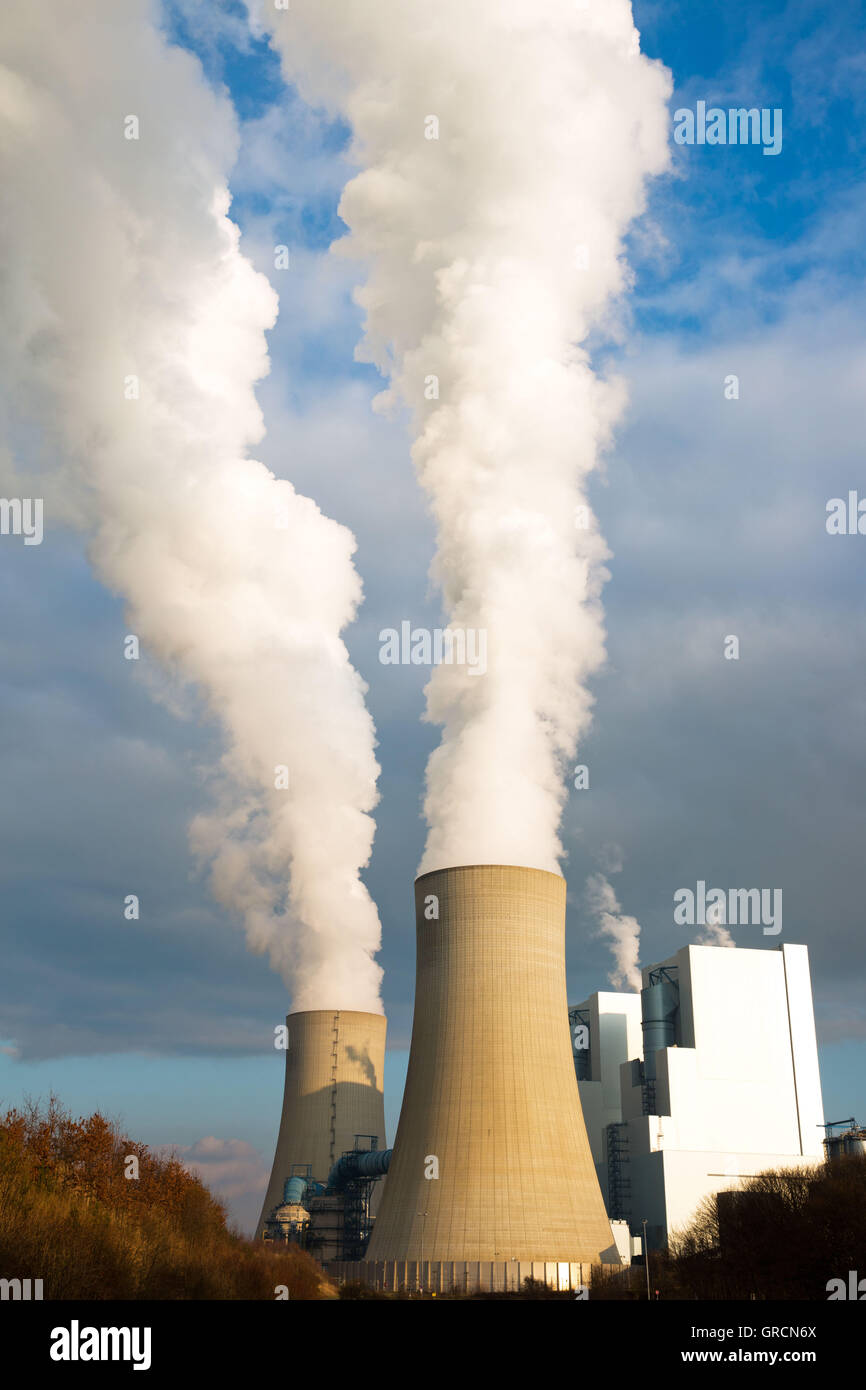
x: 725, y: 1085
x: 605, y: 1033
x: 536, y: 1140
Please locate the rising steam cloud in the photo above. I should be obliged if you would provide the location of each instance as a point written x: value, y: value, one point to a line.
x: 621, y: 930
x: 504, y: 148
x: 127, y: 266
x: 715, y: 933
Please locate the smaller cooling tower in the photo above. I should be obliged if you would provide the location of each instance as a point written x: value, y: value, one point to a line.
x: 335, y: 1063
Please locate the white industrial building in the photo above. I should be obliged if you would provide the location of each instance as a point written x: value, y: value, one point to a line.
x: 707, y: 1076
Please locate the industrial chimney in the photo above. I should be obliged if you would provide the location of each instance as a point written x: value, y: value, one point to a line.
x: 492, y: 1179
x: 334, y: 1068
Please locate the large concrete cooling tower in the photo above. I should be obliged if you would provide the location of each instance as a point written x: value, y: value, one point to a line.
x: 491, y: 1102
x: 334, y: 1067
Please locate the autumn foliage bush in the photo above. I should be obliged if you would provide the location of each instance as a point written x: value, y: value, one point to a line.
x: 71, y: 1216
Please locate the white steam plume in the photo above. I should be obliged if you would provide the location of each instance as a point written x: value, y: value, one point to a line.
x: 120, y: 262
x: 504, y: 148
x: 622, y: 931
x: 715, y: 933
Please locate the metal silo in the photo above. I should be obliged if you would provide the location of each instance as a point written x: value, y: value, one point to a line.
x: 849, y: 1142
x: 854, y: 1143
x: 659, y: 1004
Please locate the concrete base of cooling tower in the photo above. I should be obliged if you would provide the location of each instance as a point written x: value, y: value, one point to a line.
x: 461, y: 1276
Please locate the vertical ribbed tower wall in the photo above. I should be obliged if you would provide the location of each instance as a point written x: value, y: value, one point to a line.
x: 491, y: 1097
x: 335, y: 1063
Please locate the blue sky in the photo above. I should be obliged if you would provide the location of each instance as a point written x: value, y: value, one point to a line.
x: 738, y: 773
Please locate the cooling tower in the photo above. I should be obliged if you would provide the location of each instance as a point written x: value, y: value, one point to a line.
x: 334, y: 1067
x: 491, y: 1102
